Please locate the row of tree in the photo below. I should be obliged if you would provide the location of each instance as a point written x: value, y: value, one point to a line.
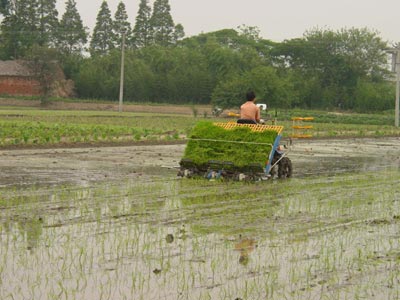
x: 344, y: 69
x: 151, y: 27
x: 30, y: 22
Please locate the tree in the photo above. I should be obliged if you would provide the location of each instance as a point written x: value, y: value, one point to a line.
x: 228, y: 54
x: 142, y: 33
x: 181, y: 75
x: 19, y: 28
x: 233, y: 40
x: 190, y: 80
x: 47, y: 23
x: 334, y: 62
x: 179, y: 32
x: 28, y: 22
x: 72, y: 34
x: 10, y: 35
x: 99, y: 77
x: 3, y: 6
x: 251, y: 32
x: 43, y: 63
x: 139, y: 79
x: 103, y: 37
x: 121, y: 25
x: 6, y: 6
x: 266, y: 83
x: 162, y: 23
x: 373, y: 96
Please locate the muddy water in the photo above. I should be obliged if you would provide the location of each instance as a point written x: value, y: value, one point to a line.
x: 116, y: 223
x: 86, y: 165
x: 330, y: 157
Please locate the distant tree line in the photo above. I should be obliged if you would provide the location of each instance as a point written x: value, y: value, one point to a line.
x: 325, y: 69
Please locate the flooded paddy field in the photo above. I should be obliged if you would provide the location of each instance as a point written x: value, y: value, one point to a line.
x: 116, y: 223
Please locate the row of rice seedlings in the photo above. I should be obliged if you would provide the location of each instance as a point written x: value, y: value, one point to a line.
x: 103, y: 214
x: 17, y: 133
x: 110, y: 242
x: 44, y: 127
x: 358, y: 211
x: 21, y: 127
x: 330, y: 260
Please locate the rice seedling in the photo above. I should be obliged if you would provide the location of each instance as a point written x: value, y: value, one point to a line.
x: 314, y: 237
x: 46, y: 127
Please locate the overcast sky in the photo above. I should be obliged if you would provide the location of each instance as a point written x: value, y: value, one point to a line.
x: 277, y: 20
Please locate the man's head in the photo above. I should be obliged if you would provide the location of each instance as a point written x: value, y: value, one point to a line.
x: 250, y: 96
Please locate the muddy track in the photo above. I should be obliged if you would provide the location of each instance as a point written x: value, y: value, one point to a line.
x: 128, y: 107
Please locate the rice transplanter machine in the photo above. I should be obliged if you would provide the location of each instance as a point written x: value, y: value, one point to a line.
x: 235, y: 151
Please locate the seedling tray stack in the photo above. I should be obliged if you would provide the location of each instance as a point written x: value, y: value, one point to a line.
x: 230, y: 147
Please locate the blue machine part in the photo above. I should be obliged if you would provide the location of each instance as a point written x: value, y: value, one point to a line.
x: 271, y: 155
x: 214, y: 174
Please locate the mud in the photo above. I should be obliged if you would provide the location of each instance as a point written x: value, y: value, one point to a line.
x: 85, y: 165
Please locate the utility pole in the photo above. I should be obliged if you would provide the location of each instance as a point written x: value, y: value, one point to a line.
x: 396, y: 68
x: 121, y: 83
x: 396, y: 110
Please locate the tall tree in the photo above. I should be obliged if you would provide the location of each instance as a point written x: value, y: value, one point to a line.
x: 121, y: 25
x: 8, y: 30
x: 3, y: 6
x: 48, y: 23
x: 28, y: 22
x: 103, y: 36
x: 142, y: 33
x: 6, y: 6
x: 19, y: 28
x: 162, y: 23
x: 72, y: 34
x: 10, y: 35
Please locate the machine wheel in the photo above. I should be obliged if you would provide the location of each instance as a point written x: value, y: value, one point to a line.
x: 285, y: 168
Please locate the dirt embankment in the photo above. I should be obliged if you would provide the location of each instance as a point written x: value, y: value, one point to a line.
x: 128, y: 107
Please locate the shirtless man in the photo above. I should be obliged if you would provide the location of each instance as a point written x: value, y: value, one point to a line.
x: 249, y: 112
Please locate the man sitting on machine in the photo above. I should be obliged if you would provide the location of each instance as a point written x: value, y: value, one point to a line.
x: 249, y: 111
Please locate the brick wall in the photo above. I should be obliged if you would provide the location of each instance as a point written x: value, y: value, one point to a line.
x: 20, y: 86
